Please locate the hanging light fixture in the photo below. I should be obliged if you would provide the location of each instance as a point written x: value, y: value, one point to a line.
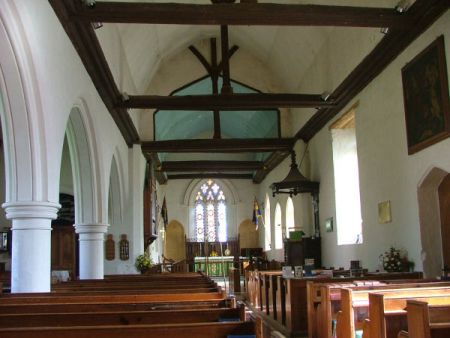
x: 294, y: 183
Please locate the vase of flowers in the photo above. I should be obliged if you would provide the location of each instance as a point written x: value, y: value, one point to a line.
x: 143, y: 262
x: 394, y: 260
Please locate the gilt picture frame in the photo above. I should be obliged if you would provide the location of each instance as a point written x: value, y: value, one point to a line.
x: 426, y: 97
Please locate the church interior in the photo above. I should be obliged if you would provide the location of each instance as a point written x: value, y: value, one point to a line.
x: 282, y: 162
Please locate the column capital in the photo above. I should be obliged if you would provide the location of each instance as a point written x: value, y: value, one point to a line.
x: 26, y: 210
x: 91, y: 228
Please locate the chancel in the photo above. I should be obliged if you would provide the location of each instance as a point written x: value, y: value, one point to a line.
x: 224, y: 168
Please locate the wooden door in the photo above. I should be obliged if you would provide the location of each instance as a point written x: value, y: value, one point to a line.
x: 64, y: 248
x: 444, y: 203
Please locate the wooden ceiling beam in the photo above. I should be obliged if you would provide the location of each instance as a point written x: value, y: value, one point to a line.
x: 219, y: 145
x: 225, y: 102
x: 211, y: 175
x: 211, y: 166
x: 271, y: 163
x: 422, y: 13
x: 88, y: 47
x: 248, y: 14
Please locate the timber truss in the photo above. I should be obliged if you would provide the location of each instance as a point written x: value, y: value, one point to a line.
x: 77, y: 18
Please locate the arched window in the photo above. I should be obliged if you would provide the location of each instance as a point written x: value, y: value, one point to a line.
x: 210, y: 213
x: 290, y: 216
x: 278, y: 228
x: 267, y: 225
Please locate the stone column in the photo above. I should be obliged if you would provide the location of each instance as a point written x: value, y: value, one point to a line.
x: 91, y: 238
x: 31, y: 244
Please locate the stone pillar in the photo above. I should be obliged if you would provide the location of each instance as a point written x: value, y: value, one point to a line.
x: 31, y: 244
x: 91, y: 238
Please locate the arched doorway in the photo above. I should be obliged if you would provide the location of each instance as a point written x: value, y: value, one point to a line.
x: 248, y: 235
x: 430, y: 215
x: 444, y: 205
x: 175, y: 241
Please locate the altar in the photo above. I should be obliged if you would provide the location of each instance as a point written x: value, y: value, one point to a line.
x: 214, y: 266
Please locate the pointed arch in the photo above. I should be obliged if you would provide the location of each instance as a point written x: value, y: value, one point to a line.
x: 278, y: 227
x: 430, y: 222
x: 82, y: 149
x: 248, y: 234
x: 22, y: 117
x: 115, y: 204
x: 175, y: 241
x: 290, y: 215
x: 232, y: 196
x: 267, y: 225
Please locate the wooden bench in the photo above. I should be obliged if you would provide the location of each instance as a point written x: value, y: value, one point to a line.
x: 355, y: 306
x: 121, y: 313
x: 324, y: 299
x: 387, y: 311
x: 285, y: 299
x: 185, y: 330
x: 96, y: 318
x: 427, y: 319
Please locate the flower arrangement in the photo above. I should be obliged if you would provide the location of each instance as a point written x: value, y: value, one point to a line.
x: 394, y: 260
x: 143, y: 262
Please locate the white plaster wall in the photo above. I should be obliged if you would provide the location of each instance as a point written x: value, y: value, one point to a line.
x: 386, y: 170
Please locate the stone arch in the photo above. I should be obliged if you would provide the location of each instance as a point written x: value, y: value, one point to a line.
x: 430, y: 222
x: 115, y: 200
x: 175, y: 241
x: 27, y: 200
x: 248, y: 235
x: 88, y: 201
x: 22, y: 118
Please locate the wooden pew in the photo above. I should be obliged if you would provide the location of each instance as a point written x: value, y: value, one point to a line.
x: 111, y: 306
x: 427, y: 319
x: 387, y: 310
x: 185, y: 330
x: 268, y: 291
x: 120, y: 297
x: 324, y: 299
x: 137, y: 314
x: 122, y: 317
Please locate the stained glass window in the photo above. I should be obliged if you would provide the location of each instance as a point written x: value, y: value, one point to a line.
x: 210, y: 213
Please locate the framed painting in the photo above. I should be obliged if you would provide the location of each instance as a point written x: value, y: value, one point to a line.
x: 426, y: 97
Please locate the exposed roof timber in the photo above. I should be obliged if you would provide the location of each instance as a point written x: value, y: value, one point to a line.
x: 424, y: 13
x: 88, y: 47
x: 219, y: 145
x: 242, y: 14
x: 211, y: 166
x: 226, y: 102
x: 212, y: 175
x: 274, y: 160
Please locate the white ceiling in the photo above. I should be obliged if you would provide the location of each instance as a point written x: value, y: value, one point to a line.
x: 283, y: 59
